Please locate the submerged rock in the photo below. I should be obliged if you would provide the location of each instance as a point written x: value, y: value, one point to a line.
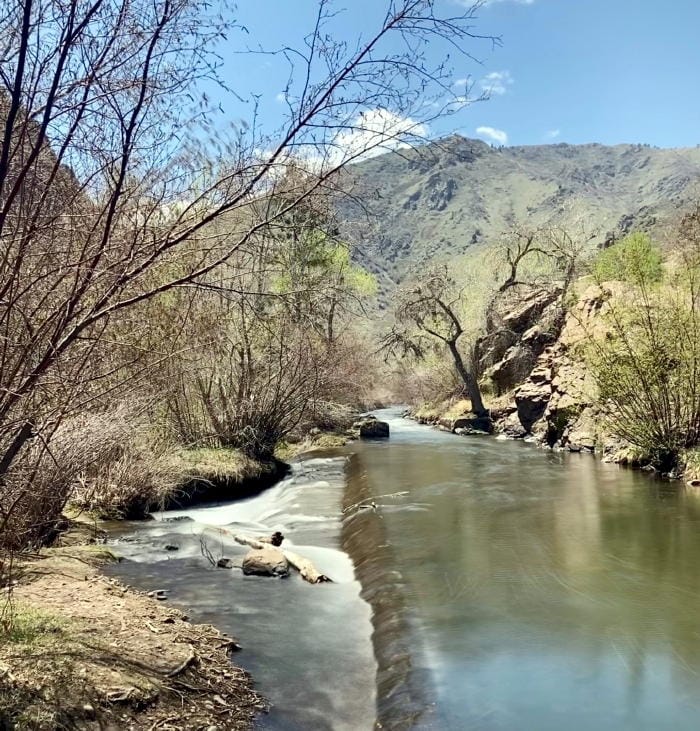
x: 267, y: 561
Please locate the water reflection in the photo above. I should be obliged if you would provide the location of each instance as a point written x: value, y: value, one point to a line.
x: 552, y: 591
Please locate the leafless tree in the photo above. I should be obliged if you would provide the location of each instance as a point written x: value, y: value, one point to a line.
x: 431, y: 307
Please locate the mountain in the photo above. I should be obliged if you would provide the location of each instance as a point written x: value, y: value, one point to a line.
x: 441, y: 199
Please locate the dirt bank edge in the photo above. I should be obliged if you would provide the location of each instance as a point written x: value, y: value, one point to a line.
x: 87, y: 652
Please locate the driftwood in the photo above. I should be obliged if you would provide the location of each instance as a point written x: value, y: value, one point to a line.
x: 306, y: 569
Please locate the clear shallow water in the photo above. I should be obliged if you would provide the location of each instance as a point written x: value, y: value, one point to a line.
x: 548, y: 591
x: 511, y: 589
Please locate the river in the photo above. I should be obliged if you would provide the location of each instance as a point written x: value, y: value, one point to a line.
x: 507, y: 589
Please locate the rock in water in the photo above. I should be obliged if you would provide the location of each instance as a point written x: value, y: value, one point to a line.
x: 374, y: 429
x: 224, y: 563
x: 472, y: 424
x: 267, y: 561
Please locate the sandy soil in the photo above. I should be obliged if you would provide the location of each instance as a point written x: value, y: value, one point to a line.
x: 86, y: 652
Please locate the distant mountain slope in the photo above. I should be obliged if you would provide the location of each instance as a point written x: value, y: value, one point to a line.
x: 441, y: 199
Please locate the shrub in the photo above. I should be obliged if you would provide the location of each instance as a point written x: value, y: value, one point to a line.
x: 648, y: 371
x: 635, y: 259
x: 107, y: 462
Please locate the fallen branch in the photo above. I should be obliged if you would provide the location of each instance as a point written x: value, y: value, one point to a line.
x: 305, y: 568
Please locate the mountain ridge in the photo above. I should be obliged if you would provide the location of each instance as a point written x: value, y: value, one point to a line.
x: 441, y: 199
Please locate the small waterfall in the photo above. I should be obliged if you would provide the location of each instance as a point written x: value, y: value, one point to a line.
x: 403, y: 690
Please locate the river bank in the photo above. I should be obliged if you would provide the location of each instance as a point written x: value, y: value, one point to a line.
x: 86, y: 651
x: 314, y: 676
x: 66, y: 620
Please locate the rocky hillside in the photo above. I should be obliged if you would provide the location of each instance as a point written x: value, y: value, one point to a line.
x: 533, y: 368
x: 456, y: 193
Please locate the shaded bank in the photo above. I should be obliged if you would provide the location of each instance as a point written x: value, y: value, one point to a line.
x: 203, y: 487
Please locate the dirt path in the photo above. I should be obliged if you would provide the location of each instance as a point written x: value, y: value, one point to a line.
x: 86, y: 652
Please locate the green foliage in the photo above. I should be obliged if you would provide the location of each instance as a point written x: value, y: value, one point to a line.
x: 647, y: 368
x: 318, y: 259
x: 635, y: 259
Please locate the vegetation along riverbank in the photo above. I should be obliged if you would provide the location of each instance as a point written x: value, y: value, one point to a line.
x: 200, y: 281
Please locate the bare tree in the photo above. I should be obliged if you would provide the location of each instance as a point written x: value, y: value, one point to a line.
x: 432, y: 307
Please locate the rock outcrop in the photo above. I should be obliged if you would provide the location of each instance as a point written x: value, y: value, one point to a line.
x: 556, y: 400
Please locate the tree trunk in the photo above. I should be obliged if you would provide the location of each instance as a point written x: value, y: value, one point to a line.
x: 470, y: 382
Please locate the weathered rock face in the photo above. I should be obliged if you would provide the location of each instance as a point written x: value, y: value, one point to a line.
x: 531, y: 400
x: 508, y: 354
x: 374, y: 429
x: 557, y: 400
x: 268, y: 561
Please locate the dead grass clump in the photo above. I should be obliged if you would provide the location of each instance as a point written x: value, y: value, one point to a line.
x: 140, y: 474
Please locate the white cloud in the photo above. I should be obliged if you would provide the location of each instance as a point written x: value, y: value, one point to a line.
x: 497, y: 82
x: 552, y: 134
x: 373, y: 133
x: 460, y: 83
x: 493, y: 134
x: 280, y: 97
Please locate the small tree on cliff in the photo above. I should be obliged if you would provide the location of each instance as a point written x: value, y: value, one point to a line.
x: 431, y: 309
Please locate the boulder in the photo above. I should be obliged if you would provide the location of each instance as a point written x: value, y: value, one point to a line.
x: 512, y: 427
x: 267, y: 561
x: 374, y: 429
x: 224, y: 563
x: 471, y: 424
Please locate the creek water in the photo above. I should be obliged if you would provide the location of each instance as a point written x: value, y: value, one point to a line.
x: 507, y: 589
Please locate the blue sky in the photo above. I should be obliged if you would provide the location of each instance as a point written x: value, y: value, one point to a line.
x: 572, y: 71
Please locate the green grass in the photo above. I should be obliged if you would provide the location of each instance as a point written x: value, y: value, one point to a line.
x: 29, y: 627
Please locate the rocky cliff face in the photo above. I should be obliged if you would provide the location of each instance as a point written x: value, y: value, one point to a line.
x: 543, y: 387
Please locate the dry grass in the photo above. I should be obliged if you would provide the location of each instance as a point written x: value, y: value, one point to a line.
x: 323, y: 441
x: 451, y: 408
x: 213, y: 464
x: 691, y: 465
x: 139, y: 473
